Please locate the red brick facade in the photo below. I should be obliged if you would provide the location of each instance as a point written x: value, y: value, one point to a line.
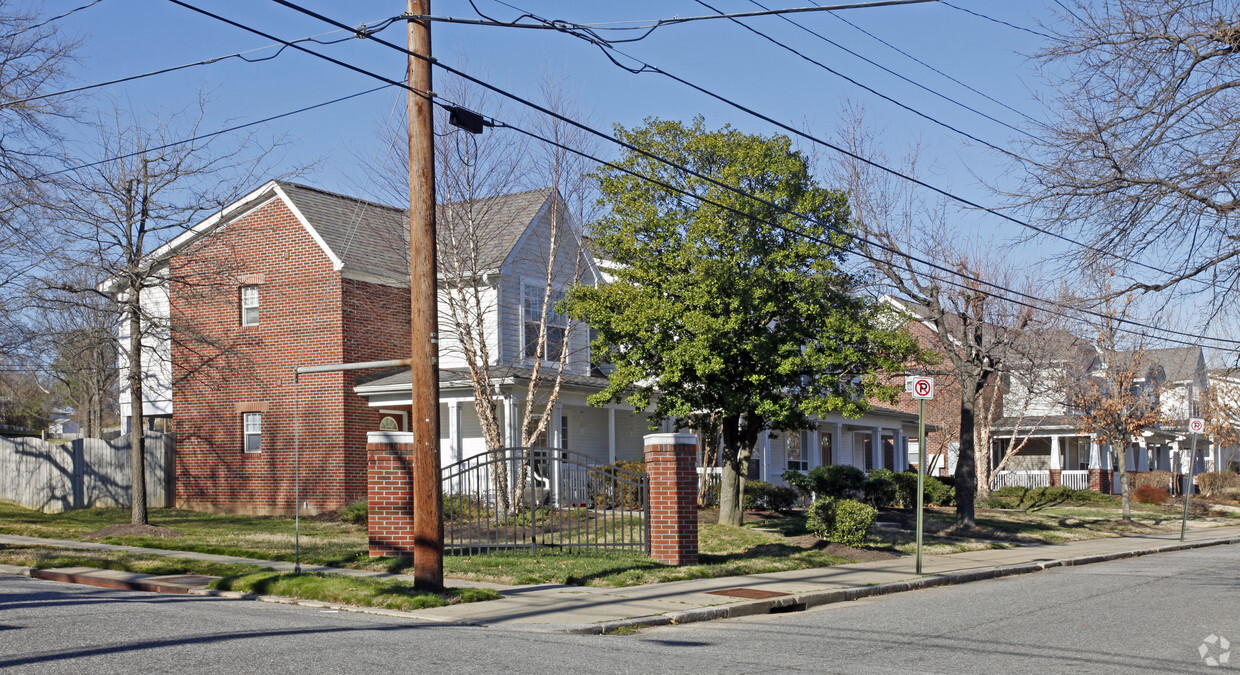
x: 309, y: 314
x: 390, y: 494
x: 671, y: 468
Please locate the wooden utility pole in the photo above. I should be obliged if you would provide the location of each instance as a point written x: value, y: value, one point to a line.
x: 424, y: 364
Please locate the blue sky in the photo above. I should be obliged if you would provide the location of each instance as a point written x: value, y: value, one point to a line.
x: 134, y: 36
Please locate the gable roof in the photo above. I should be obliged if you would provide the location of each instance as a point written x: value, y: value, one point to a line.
x: 1179, y: 364
x: 368, y: 240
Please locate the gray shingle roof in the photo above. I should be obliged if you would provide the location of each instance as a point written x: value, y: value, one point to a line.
x: 401, y: 377
x: 1179, y: 363
x: 373, y: 238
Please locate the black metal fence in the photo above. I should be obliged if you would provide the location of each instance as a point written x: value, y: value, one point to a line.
x: 542, y: 500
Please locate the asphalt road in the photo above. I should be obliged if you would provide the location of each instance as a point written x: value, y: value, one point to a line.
x: 1145, y: 614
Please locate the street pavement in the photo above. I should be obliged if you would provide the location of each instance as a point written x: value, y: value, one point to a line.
x: 1168, y: 612
x: 576, y: 609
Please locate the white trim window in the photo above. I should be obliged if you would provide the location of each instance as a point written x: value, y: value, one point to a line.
x: 532, y: 318
x: 253, y: 425
x: 249, y: 305
x: 795, y: 450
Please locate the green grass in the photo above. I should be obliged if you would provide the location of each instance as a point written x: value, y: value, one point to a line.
x: 331, y: 588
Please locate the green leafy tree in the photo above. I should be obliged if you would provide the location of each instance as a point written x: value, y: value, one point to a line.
x: 729, y: 305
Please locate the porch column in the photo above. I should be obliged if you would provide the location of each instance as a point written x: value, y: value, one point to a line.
x: 510, y: 422
x: 813, y: 447
x: 1056, y: 472
x: 899, y: 454
x: 611, y: 435
x: 837, y: 444
x: 1142, y: 457
x: 765, y: 442
x: 556, y: 437
x: 876, y: 447
x: 454, y: 431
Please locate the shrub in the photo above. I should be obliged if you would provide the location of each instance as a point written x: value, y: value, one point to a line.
x: 1158, y: 479
x: 835, y: 480
x: 880, y: 488
x: 846, y: 521
x: 939, y: 492
x: 1213, y: 484
x: 357, y: 513
x: 464, y: 507
x: 763, y: 496
x: 1148, y: 494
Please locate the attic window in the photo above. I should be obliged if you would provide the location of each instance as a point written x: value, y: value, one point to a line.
x: 249, y: 305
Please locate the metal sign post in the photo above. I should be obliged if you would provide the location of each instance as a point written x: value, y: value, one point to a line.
x: 1195, y: 427
x: 921, y: 388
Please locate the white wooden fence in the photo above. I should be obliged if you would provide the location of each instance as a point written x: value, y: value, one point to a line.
x: 1025, y: 479
x: 56, y: 477
x: 1075, y: 479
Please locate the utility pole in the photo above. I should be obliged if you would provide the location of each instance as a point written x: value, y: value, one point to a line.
x: 423, y: 301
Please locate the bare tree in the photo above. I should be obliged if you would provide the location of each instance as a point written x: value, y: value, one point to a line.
x: 1121, y: 400
x: 34, y: 57
x: 1220, y: 407
x: 116, y: 213
x: 474, y: 173
x: 1140, y: 158
x: 973, y: 327
x: 77, y: 335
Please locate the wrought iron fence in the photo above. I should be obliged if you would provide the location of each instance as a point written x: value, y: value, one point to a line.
x: 542, y: 500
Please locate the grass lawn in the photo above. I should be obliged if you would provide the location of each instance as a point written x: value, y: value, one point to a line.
x: 331, y: 588
x: 773, y: 544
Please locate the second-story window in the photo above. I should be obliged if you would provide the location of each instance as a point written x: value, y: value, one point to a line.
x: 532, y: 320
x: 249, y: 305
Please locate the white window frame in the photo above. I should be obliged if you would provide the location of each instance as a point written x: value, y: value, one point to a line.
x: 803, y: 462
x: 531, y: 316
x: 249, y: 305
x: 254, y: 431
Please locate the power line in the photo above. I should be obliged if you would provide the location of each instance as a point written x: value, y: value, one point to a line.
x: 868, y: 88
x: 646, y: 67
x: 201, y: 137
x: 50, y: 20
x: 1042, y: 303
x: 383, y: 24
x: 998, y: 21
x: 938, y: 71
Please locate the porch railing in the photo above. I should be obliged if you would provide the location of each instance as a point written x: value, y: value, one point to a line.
x: 1025, y: 479
x: 1077, y: 480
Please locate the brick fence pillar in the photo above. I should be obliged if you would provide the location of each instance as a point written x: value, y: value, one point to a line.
x: 389, y: 492
x: 1095, y: 480
x: 671, y: 468
x: 1056, y: 477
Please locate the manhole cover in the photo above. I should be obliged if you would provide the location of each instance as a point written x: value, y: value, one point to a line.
x: 747, y: 593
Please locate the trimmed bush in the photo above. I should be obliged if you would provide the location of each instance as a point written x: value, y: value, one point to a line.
x: 939, y: 492
x: 1148, y: 494
x: 845, y: 521
x: 829, y: 481
x: 933, y: 492
x: 357, y: 513
x: 880, y: 488
x: 762, y: 496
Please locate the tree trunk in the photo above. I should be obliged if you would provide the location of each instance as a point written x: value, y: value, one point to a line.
x: 966, y: 458
x: 737, y: 448
x: 137, y: 423
x: 1123, y: 482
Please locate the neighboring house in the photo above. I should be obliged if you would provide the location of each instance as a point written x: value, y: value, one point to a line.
x: 292, y: 276
x: 1056, y: 448
x: 61, y: 422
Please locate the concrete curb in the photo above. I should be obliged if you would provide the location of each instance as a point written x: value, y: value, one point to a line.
x: 803, y: 601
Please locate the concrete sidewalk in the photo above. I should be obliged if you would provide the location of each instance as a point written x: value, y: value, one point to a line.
x: 577, y: 609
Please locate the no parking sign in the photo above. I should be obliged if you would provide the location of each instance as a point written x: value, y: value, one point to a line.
x: 1196, y: 426
x: 923, y: 388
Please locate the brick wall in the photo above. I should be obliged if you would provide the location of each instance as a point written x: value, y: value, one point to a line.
x: 309, y: 315
x: 390, y: 495
x: 671, y: 468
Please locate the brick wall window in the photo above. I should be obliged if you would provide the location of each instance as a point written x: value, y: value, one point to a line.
x: 249, y: 305
x: 796, y: 452
x: 253, y: 424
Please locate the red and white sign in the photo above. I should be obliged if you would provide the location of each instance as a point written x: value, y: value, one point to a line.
x: 923, y: 388
x: 1196, y: 426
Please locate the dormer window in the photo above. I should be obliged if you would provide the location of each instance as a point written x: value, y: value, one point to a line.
x: 249, y: 305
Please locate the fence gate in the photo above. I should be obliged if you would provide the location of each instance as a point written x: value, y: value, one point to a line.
x: 542, y: 500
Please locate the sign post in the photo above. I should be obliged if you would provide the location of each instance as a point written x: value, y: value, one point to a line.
x: 921, y: 388
x: 1196, y: 427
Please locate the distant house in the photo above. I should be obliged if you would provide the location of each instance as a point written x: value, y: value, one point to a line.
x: 1057, y: 450
x: 61, y: 422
